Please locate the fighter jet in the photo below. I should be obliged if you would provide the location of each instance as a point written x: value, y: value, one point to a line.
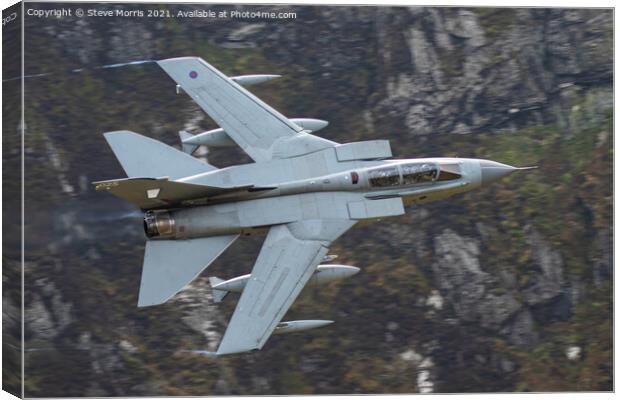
x: 302, y: 191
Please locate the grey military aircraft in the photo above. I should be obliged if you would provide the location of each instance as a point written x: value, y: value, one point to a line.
x: 302, y: 190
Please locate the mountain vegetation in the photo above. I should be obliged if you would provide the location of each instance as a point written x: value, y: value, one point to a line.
x: 507, y: 288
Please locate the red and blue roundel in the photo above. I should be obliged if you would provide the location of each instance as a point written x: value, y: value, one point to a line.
x: 193, y: 74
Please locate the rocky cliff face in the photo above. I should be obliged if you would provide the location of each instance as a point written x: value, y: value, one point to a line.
x: 454, y: 71
x: 477, y: 293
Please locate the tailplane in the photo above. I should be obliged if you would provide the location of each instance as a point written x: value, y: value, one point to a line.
x: 170, y: 265
x: 141, y: 156
x: 152, y: 193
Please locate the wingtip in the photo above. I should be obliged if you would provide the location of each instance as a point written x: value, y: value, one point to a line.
x: 228, y: 346
x: 207, y: 353
x: 227, y: 351
x: 170, y: 61
x: 112, y: 134
x: 148, y: 300
x: 178, y: 58
x: 108, y: 135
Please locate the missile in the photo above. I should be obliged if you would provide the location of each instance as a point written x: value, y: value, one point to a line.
x: 247, y: 80
x: 302, y: 325
x: 322, y: 275
x: 219, y: 137
x: 328, y: 273
x: 221, y: 287
x: 310, y: 124
x: 213, y: 138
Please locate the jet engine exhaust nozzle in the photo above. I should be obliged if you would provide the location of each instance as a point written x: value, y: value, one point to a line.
x: 158, y: 224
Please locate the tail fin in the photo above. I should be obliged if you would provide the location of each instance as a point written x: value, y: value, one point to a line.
x: 169, y: 265
x: 186, y: 147
x: 141, y: 156
x: 218, y: 295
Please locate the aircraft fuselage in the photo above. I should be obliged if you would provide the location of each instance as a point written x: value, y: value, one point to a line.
x: 299, y: 187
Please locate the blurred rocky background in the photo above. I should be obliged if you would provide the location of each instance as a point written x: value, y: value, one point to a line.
x: 508, y: 288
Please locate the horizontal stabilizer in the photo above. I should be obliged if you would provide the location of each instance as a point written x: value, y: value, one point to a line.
x: 151, y: 193
x: 170, y: 265
x: 141, y: 156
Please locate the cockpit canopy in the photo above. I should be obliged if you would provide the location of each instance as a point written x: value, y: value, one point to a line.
x: 412, y: 174
x: 419, y: 173
x: 384, y: 176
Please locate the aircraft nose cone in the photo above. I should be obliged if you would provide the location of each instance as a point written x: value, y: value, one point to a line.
x: 492, y: 171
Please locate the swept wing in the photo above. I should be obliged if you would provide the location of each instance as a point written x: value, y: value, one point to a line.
x: 288, y: 258
x: 262, y: 132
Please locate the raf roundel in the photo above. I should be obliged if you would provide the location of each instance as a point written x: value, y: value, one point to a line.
x: 193, y: 74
